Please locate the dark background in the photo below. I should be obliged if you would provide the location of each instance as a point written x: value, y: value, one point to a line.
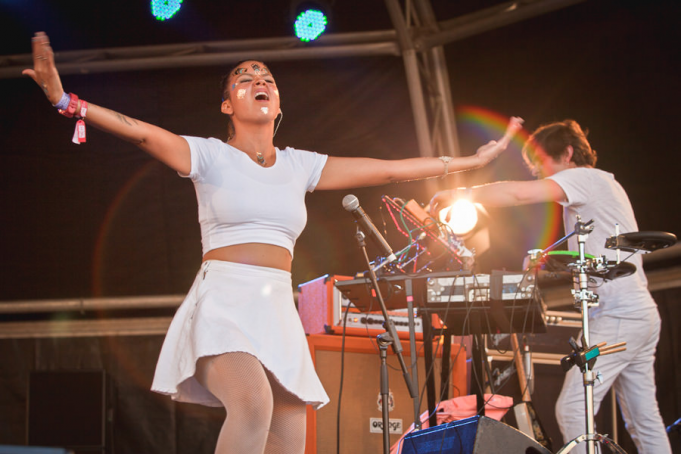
x: 104, y: 219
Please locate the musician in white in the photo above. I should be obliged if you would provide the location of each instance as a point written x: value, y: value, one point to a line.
x: 560, y: 155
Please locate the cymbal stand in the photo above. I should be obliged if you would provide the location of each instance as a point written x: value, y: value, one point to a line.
x: 384, y: 340
x: 585, y: 356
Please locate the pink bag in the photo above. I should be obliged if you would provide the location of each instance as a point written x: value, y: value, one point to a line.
x: 462, y: 407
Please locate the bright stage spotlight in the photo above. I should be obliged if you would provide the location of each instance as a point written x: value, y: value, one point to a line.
x: 462, y: 216
x: 310, y: 19
x: 165, y: 9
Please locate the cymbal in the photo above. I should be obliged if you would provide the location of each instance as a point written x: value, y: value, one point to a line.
x: 621, y: 269
x: 641, y: 241
x: 560, y: 261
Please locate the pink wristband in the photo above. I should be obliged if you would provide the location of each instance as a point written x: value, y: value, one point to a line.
x: 83, y: 109
x: 71, y: 109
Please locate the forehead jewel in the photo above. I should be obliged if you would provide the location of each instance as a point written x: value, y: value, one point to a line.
x: 257, y: 69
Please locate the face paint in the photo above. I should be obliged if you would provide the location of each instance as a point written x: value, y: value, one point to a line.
x: 260, y: 71
x: 241, y: 93
x: 276, y: 92
x: 233, y: 86
x: 264, y: 110
x: 239, y: 71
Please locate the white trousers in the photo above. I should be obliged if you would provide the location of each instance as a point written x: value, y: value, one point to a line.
x: 631, y: 373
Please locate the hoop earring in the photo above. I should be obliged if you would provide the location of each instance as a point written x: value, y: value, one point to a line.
x: 277, y: 126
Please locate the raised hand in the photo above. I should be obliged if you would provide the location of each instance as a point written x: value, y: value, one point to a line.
x: 515, y: 124
x: 44, y: 71
x: 494, y: 148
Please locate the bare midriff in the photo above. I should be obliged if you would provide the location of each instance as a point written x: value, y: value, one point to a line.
x: 257, y: 254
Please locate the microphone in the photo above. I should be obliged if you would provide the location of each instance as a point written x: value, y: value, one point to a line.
x: 351, y: 204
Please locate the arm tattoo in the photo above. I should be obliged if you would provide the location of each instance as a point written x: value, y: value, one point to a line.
x: 122, y: 118
x: 127, y: 121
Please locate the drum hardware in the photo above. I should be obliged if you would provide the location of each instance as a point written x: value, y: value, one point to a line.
x: 583, y: 266
x: 645, y: 241
x: 562, y: 261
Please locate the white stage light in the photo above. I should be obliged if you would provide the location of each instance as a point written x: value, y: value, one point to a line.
x: 462, y: 216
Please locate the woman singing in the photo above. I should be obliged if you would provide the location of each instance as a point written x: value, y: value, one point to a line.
x: 237, y: 341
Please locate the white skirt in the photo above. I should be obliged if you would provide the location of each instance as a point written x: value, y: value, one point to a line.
x: 233, y: 307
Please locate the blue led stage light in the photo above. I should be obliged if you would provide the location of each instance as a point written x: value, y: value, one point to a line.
x: 310, y: 24
x: 165, y: 9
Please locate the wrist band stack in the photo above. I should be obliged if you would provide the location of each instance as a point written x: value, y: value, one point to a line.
x: 70, y: 109
x: 63, y: 102
x: 67, y: 106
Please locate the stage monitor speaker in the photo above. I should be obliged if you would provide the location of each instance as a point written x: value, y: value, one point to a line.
x: 69, y: 409
x: 361, y: 416
x: 8, y: 449
x: 476, y: 435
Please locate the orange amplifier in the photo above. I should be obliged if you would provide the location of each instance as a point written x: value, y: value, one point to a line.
x: 360, y: 408
x: 321, y: 307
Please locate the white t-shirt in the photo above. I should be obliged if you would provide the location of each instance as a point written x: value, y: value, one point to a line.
x: 595, y: 194
x: 242, y: 202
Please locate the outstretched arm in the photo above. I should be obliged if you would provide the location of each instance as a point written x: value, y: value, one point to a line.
x: 502, y: 194
x: 165, y: 146
x: 346, y: 173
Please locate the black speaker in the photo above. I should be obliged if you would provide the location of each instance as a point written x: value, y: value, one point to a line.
x: 476, y: 435
x: 8, y: 449
x: 69, y: 409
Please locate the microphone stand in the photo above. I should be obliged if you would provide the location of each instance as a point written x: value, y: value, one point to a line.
x: 384, y: 340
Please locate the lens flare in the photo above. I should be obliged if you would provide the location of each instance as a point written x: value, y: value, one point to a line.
x: 542, y: 223
x: 462, y: 216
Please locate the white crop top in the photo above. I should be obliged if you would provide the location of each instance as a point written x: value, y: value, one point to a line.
x: 243, y: 202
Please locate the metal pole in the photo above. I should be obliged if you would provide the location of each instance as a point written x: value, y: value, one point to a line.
x: 411, y: 68
x: 589, y: 375
x: 448, y: 134
x: 489, y: 19
x: 417, y: 103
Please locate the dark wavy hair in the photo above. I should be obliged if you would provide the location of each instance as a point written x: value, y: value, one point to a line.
x: 554, y: 138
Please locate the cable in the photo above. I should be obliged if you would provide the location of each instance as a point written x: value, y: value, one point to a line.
x: 342, y: 374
